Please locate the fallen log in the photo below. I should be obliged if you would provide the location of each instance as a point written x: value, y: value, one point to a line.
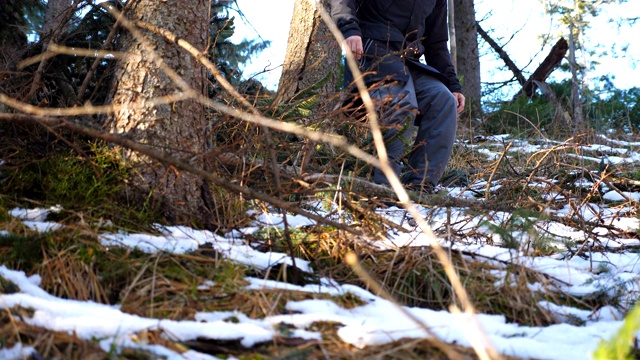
x: 548, y: 65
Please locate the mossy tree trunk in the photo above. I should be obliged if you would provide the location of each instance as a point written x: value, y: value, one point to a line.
x: 178, y: 129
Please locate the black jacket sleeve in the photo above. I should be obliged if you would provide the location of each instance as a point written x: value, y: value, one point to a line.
x: 436, y: 51
x: 343, y: 12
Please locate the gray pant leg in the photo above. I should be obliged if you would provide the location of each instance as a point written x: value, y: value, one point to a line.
x: 437, y: 124
x: 397, y: 108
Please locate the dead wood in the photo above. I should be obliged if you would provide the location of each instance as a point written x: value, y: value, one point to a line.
x: 548, y: 65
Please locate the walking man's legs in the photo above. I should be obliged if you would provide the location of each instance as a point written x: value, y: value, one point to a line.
x: 397, y: 109
x: 437, y: 122
x: 426, y: 102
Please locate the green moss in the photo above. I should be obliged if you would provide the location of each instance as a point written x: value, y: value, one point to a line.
x: 87, y: 187
x: 21, y: 251
x: 522, y: 117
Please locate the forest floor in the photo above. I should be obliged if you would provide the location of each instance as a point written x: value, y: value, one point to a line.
x: 544, y: 240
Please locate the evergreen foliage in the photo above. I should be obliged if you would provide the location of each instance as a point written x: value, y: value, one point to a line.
x: 613, y: 108
x: 605, y: 107
x: 19, y: 19
x: 620, y: 346
x: 228, y: 56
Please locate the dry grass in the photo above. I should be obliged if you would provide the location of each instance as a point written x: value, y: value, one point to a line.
x: 414, y: 277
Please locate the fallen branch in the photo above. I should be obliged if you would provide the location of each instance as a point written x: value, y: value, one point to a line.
x: 548, y: 65
x: 179, y: 164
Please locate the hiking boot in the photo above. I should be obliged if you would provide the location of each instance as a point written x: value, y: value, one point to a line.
x: 459, y: 178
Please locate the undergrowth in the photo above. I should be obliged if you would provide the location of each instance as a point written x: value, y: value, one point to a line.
x: 414, y: 276
x: 87, y: 181
x: 605, y: 108
x: 624, y: 344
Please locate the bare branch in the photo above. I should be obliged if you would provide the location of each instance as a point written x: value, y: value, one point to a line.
x: 55, y: 49
x: 482, y: 345
x: 502, y: 54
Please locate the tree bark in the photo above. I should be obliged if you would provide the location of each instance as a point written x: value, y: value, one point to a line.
x: 468, y: 59
x: 311, y: 63
x: 576, y: 101
x: 453, y: 44
x: 177, y: 129
x: 58, y: 14
x: 55, y: 17
x: 312, y: 54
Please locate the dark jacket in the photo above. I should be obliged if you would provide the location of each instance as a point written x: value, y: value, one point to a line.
x: 396, y: 33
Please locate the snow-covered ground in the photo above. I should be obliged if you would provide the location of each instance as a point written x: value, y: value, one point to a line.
x: 614, y: 269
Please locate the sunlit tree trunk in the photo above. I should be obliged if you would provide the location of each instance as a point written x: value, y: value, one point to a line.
x: 178, y: 128
x: 576, y: 102
x: 312, y: 62
x: 468, y: 60
x: 312, y: 53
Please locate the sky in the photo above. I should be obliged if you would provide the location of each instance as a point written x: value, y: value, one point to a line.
x: 504, y: 16
x: 377, y: 321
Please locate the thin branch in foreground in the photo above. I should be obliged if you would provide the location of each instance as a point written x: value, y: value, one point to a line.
x: 56, y: 49
x: 486, y: 349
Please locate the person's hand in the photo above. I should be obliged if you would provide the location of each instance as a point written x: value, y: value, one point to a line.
x: 354, y: 43
x: 460, y: 99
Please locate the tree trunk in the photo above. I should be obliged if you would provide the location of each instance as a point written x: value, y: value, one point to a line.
x: 576, y: 102
x: 177, y: 129
x: 55, y: 22
x: 311, y: 63
x: 468, y: 59
x: 453, y: 43
x: 55, y: 17
x: 312, y: 54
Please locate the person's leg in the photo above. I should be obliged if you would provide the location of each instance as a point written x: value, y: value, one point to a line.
x: 397, y: 108
x: 437, y: 124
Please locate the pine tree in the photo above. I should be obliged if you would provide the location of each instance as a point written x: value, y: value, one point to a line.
x: 575, y: 15
x: 18, y: 20
x: 229, y: 56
